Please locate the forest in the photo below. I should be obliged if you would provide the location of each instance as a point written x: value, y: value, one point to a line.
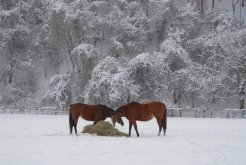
x: 185, y: 53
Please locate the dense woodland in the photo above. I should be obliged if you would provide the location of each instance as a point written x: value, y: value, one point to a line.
x: 185, y: 53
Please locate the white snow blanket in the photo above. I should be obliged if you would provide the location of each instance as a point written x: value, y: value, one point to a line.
x: 45, y: 140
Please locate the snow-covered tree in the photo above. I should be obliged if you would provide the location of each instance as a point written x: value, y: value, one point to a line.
x: 234, y: 46
x: 85, y: 57
x: 141, y: 72
x: 151, y: 75
x: 178, y: 61
x: 185, y: 52
x: 58, y: 92
x: 110, y: 84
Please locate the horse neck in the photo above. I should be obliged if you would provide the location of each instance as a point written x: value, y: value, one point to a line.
x: 108, y: 113
x: 122, y: 113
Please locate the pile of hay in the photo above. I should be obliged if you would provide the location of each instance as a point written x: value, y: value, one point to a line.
x: 103, y: 128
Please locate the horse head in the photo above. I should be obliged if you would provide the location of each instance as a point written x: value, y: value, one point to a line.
x: 117, y: 117
x: 107, y: 111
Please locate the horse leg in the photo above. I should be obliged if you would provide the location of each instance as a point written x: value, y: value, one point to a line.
x: 136, y: 128
x: 164, y: 124
x: 95, y: 122
x: 164, y: 129
x: 71, y: 123
x: 97, y: 119
x: 160, y: 126
x: 130, y: 128
x: 75, y: 124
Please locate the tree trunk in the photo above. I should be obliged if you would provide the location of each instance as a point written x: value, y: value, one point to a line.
x: 128, y: 96
x: 10, y: 78
x: 12, y: 61
x: 241, y: 103
x: 213, y: 5
x: 175, y: 99
x: 7, y: 4
x: 202, y: 6
x: 179, y: 97
x: 234, y: 6
x: 68, y: 39
x: 240, y: 11
x: 193, y: 100
x: 242, y: 95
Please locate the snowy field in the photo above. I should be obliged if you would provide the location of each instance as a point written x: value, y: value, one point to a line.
x: 44, y: 140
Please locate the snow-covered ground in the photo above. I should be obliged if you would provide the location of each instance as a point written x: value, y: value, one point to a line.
x: 44, y: 140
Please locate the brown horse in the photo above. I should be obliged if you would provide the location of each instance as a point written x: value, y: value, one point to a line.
x: 142, y: 112
x: 88, y: 112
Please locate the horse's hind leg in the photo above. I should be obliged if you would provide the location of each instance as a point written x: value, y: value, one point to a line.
x: 71, y: 123
x: 159, y: 122
x: 164, y: 124
x: 160, y: 127
x: 136, y: 128
x: 75, y: 128
x: 75, y: 124
x: 164, y: 131
x: 71, y: 129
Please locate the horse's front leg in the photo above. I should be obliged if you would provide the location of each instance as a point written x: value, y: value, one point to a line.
x: 95, y: 122
x: 136, y: 128
x: 97, y: 119
x: 130, y: 128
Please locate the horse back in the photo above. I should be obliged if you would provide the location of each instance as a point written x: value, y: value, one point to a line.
x: 145, y: 112
x: 157, y: 106
x: 137, y: 111
x: 86, y: 111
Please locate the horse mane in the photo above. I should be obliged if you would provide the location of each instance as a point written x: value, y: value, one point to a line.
x: 120, y: 108
x: 131, y: 103
x: 105, y: 107
x: 134, y: 102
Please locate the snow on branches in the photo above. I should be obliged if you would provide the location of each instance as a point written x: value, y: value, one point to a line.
x: 58, y: 92
x: 110, y: 84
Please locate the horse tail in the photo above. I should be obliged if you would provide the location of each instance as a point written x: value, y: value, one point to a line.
x: 71, y: 123
x: 164, y: 119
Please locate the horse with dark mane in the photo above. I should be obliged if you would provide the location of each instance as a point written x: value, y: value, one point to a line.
x: 142, y: 112
x: 88, y: 112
